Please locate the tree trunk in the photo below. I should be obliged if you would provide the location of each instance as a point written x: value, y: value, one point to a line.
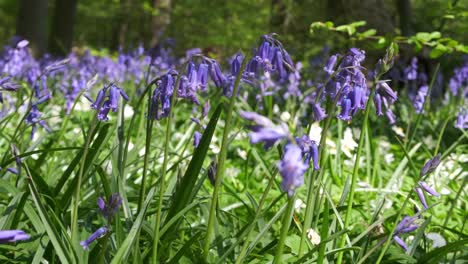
x: 404, y: 13
x: 31, y: 24
x: 161, y: 20
x: 61, y: 38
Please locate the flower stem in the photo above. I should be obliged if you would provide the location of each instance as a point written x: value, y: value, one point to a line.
x: 76, y: 198
x: 164, y: 171
x: 310, y: 188
x: 221, y: 162
x: 284, y: 230
x: 355, y: 173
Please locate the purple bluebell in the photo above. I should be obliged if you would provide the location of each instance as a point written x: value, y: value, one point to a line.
x: 462, y: 119
x: 55, y: 66
x: 33, y: 118
x: 108, y: 99
x: 318, y: 113
x: 7, y: 236
x: 430, y: 165
x: 265, y: 130
x: 6, y: 84
x: 196, y: 138
x: 109, y: 207
x: 406, y: 225
x: 202, y: 73
x: 348, y: 85
x: 217, y: 75
x: 411, y: 72
x: 98, y: 234
x: 421, y: 197
x: 309, y: 150
x: 459, y: 82
x: 330, y: 66
x: 162, y: 95
x: 206, y: 109
x: 271, y: 57
x: 292, y: 169
x: 418, y: 100
x: 428, y: 189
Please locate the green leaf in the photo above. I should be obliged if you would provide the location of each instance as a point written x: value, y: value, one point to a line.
x: 435, y: 255
x: 438, y: 51
x: 124, y: 250
x: 181, y: 196
x: 59, y: 247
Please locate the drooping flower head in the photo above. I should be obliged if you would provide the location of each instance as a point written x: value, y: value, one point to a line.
x: 265, y: 130
x: 108, y: 99
x: 430, y: 165
x: 33, y: 119
x: 109, y: 207
x: 424, y: 187
x: 162, y: 95
x: 97, y: 234
x: 271, y: 57
x: 7, y: 236
x: 292, y: 169
x: 309, y: 150
x: 406, y: 225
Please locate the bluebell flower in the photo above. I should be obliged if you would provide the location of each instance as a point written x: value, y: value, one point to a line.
x: 162, y: 96
x: 98, y: 234
x: 6, y: 84
x: 265, y: 130
x: 426, y: 188
x: 196, y: 138
x: 7, y: 236
x: 110, y: 207
x: 406, y: 225
x: 292, y: 169
x: 411, y: 72
x: 418, y: 101
x: 430, y: 165
x: 462, y: 119
x: 309, y: 150
x: 459, y: 81
x: 217, y: 75
x: 108, y: 99
x: 33, y: 118
x: 330, y: 66
x: 318, y: 113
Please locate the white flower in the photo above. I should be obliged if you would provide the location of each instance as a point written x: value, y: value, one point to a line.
x: 315, y: 133
x: 347, y: 143
x: 298, y: 205
x: 128, y: 112
x: 313, y: 237
x: 399, y: 131
x: 437, y: 240
x: 285, y: 116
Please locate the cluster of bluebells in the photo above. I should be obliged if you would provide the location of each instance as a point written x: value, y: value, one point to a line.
x: 417, y: 83
x: 409, y: 224
x: 108, y: 99
x: 346, y: 84
x: 297, y: 155
x: 108, y: 209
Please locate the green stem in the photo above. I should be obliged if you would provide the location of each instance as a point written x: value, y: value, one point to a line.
x: 76, y: 198
x: 149, y: 132
x: 164, y: 171
x: 310, y: 188
x: 355, y: 174
x: 221, y: 162
x: 241, y: 255
x: 284, y: 230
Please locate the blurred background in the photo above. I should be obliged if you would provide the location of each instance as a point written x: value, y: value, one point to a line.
x: 218, y: 27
